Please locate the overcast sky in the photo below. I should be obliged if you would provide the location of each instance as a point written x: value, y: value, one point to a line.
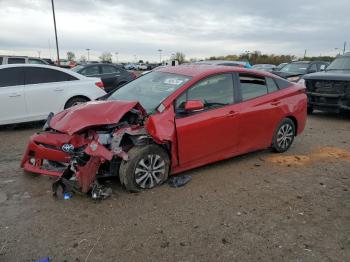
x: 198, y: 28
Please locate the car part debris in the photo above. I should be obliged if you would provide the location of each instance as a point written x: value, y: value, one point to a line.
x: 179, y: 181
x: 99, y: 192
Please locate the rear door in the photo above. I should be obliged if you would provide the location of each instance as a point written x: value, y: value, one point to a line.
x: 110, y: 75
x: 12, y: 101
x: 210, y: 134
x: 45, y: 90
x: 260, y: 112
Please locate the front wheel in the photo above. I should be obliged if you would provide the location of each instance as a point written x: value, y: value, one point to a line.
x: 284, y: 136
x: 147, y: 167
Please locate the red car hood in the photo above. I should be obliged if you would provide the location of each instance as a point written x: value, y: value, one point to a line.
x: 95, y: 113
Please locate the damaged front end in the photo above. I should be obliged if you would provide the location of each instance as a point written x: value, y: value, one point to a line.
x: 90, y: 147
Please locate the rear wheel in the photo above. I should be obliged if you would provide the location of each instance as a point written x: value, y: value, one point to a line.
x: 147, y: 167
x: 284, y: 136
x: 75, y: 101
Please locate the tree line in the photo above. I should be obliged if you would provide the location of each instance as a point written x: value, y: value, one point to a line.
x: 253, y: 58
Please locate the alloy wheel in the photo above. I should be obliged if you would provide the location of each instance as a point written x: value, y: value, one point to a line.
x: 150, y: 171
x: 285, y: 136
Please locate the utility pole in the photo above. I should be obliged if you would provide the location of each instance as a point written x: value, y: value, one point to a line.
x: 160, y: 55
x: 305, y: 53
x: 54, y: 22
x: 344, y: 48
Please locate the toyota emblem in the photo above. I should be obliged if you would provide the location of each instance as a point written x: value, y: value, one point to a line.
x: 68, y: 148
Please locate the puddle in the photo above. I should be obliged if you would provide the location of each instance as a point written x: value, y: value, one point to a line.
x: 323, y: 153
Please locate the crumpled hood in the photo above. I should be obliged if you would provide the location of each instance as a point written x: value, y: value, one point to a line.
x: 91, y: 114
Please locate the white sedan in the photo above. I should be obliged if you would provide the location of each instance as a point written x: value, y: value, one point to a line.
x: 30, y: 92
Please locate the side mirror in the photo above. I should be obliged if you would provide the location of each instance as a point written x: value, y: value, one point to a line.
x: 194, y: 105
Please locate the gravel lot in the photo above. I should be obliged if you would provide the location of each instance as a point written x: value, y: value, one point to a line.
x: 258, y: 207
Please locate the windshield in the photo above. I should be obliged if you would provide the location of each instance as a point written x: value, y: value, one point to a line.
x: 341, y: 63
x: 151, y: 89
x: 298, y: 68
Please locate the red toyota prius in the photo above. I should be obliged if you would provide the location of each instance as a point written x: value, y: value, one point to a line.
x: 170, y: 120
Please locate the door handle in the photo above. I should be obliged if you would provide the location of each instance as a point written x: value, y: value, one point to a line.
x: 58, y: 89
x: 14, y: 95
x: 232, y: 113
x: 275, y: 103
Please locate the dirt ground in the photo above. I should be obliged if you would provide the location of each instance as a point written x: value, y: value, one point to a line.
x: 258, y: 207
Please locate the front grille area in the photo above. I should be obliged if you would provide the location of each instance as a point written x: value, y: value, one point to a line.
x: 328, y: 87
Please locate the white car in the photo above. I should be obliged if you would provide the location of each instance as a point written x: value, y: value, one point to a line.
x: 30, y: 92
x: 141, y: 67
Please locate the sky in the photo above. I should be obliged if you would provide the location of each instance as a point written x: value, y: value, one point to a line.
x: 136, y: 29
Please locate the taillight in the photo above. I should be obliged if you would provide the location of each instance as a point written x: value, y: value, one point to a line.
x: 100, y: 85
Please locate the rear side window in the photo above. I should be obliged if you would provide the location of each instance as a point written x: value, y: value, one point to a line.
x: 271, y: 85
x: 281, y: 83
x: 110, y: 70
x: 90, y: 70
x: 11, y: 76
x: 15, y: 60
x: 252, y: 86
x: 37, y: 75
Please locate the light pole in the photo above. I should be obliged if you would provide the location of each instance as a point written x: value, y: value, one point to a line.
x: 160, y: 55
x: 88, y: 50
x: 54, y: 22
x: 116, y: 54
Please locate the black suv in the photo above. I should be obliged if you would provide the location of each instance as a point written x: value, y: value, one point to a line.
x: 295, y: 70
x: 113, y: 76
x: 330, y: 90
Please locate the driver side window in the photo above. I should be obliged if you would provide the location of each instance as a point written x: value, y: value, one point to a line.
x: 215, y: 91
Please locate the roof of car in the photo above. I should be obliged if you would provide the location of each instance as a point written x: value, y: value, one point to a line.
x: 68, y: 71
x: 200, y: 69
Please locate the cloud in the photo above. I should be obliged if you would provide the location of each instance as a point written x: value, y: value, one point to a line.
x: 197, y: 28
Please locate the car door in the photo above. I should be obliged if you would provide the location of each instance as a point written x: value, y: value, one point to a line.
x: 45, y: 90
x: 12, y: 100
x: 260, y: 111
x: 110, y: 76
x: 210, y: 134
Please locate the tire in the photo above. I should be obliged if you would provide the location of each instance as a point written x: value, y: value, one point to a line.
x: 310, y: 110
x: 75, y: 101
x: 135, y: 173
x: 284, y: 136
